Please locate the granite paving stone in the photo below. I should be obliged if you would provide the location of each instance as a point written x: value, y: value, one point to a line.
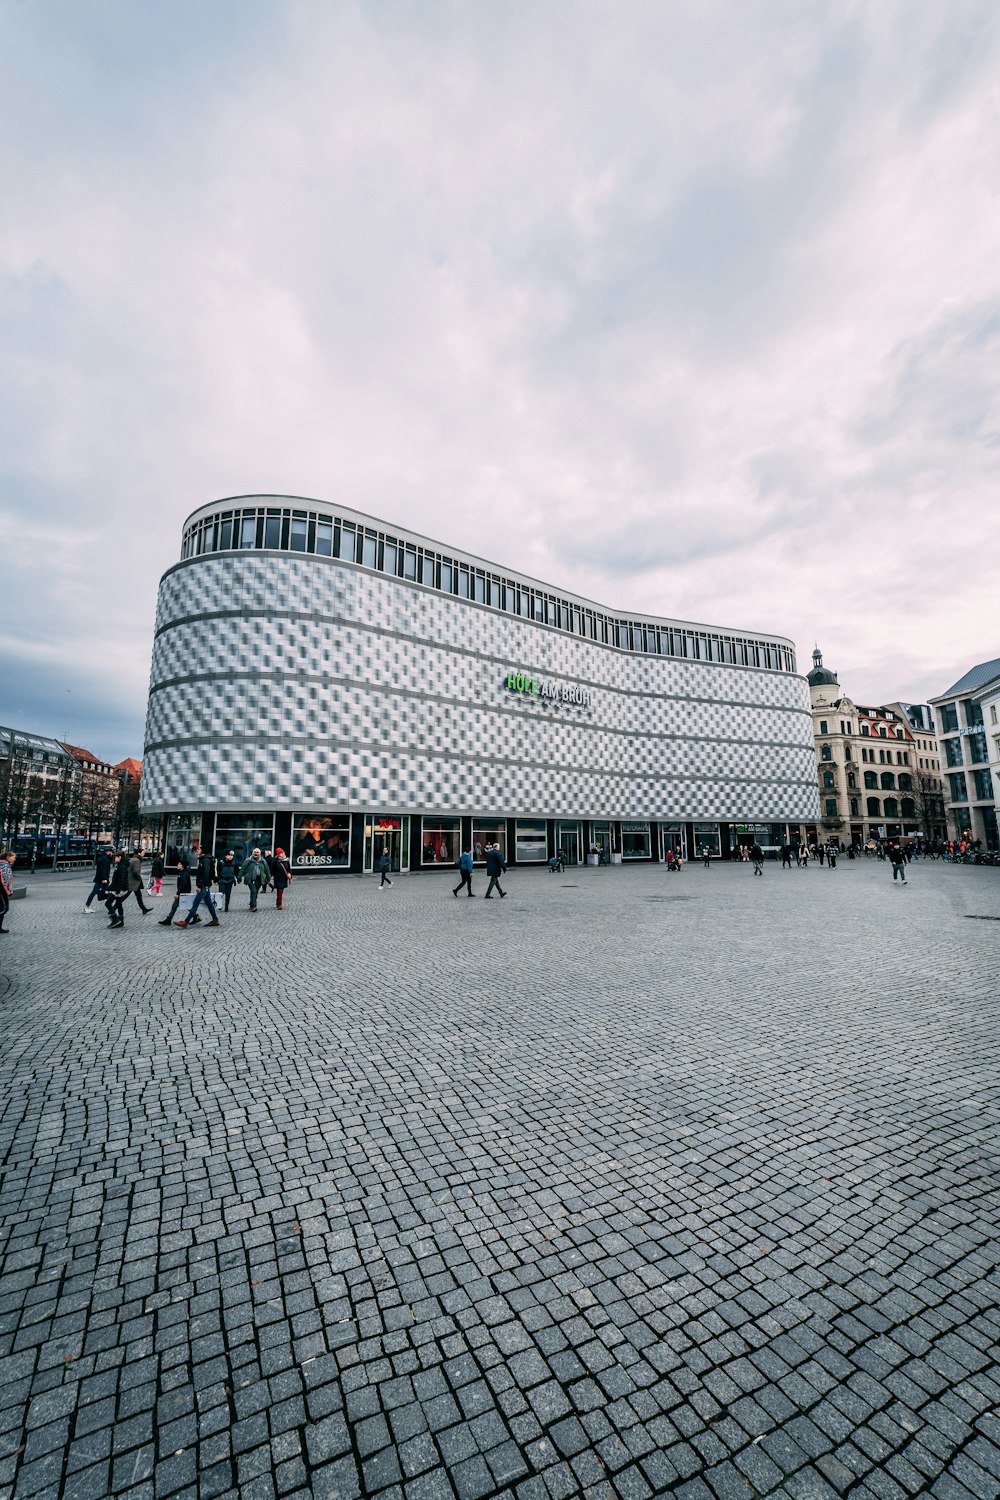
x: 630, y: 1185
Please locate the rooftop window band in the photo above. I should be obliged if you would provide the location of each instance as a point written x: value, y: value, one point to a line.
x: 364, y: 542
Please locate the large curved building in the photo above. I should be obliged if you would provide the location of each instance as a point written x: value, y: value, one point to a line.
x: 328, y: 684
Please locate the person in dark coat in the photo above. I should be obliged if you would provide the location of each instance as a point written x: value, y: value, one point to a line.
x: 136, y: 883
x: 227, y: 875
x: 204, y: 875
x: 156, y: 875
x: 183, y: 889
x: 118, y: 892
x: 102, y: 874
x: 898, y: 859
x: 757, y: 859
x: 281, y: 876
x: 495, y: 866
x: 384, y: 865
x: 786, y: 856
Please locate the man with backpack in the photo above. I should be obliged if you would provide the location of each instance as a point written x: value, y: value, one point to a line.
x: 465, y: 872
x: 204, y: 877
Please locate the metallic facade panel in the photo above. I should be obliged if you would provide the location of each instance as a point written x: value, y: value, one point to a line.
x: 290, y: 680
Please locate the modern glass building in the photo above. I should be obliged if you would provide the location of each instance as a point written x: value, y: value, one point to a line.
x: 328, y: 684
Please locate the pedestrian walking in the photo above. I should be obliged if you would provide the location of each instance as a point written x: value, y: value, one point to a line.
x: 118, y: 892
x: 706, y: 855
x: 281, y: 876
x: 831, y: 856
x: 7, y: 858
x: 183, y: 890
x: 156, y: 875
x: 204, y: 878
x: 495, y: 866
x: 757, y: 859
x: 136, y: 882
x: 254, y: 873
x: 268, y: 862
x: 820, y: 853
x: 102, y: 874
x: 226, y: 874
x: 786, y: 856
x: 465, y: 872
x: 898, y: 860
x: 803, y: 856
x: 384, y: 866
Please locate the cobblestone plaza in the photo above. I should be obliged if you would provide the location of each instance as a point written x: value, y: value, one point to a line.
x: 631, y: 1184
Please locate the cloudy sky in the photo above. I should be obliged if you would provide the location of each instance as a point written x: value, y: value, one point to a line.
x: 693, y: 309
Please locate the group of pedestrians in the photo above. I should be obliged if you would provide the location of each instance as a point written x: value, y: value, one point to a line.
x: 118, y: 875
x: 802, y: 853
x: 495, y: 867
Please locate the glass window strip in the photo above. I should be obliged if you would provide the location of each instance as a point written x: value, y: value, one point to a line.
x: 285, y: 529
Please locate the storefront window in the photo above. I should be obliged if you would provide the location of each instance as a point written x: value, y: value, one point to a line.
x: 439, y: 841
x: 182, y: 830
x: 706, y: 836
x: 321, y: 841
x: 531, y: 843
x: 635, y: 841
x: 488, y: 831
x: 242, y: 832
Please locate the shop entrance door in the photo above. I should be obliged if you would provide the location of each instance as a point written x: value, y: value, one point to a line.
x: 601, y: 835
x: 673, y: 840
x: 569, y: 843
x: 392, y: 833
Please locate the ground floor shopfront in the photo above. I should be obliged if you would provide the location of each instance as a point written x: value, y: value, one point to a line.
x: 353, y: 842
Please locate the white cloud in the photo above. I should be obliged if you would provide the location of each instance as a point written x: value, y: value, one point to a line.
x: 689, y: 309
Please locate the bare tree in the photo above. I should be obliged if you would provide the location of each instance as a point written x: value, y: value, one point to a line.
x: 15, y: 789
x: 65, y: 800
x: 98, y: 803
x: 928, y: 805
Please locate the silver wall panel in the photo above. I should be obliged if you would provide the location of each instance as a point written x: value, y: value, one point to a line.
x: 290, y: 680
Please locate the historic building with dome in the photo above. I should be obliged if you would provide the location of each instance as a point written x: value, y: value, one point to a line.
x: 877, y: 768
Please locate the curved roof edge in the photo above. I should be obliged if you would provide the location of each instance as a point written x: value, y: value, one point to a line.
x: 417, y: 537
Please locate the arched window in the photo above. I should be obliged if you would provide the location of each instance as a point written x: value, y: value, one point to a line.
x: 891, y: 807
x: 909, y: 809
x: 873, y: 807
x: 905, y: 783
x: 828, y: 778
x: 826, y: 753
x: 888, y: 781
x: 871, y: 780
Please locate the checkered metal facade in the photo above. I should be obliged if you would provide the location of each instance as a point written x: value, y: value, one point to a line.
x: 288, y: 681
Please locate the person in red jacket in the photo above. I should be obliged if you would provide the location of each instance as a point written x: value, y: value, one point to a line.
x: 281, y: 875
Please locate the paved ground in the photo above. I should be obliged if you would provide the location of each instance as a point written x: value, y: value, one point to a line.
x: 629, y: 1185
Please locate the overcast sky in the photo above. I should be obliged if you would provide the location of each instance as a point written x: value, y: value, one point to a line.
x: 692, y: 309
